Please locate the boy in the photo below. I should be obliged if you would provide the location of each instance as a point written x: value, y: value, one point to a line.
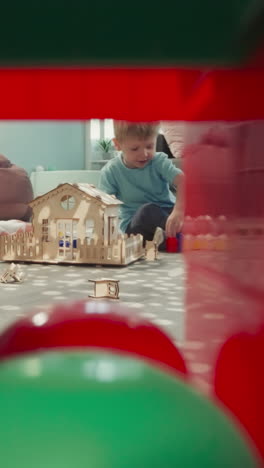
x: 140, y: 178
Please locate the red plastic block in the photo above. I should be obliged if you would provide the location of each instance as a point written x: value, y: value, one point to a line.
x: 172, y: 244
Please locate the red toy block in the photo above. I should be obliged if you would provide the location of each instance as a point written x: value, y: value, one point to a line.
x: 172, y: 244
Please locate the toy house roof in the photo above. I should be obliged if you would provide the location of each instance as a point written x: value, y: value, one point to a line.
x: 87, y: 189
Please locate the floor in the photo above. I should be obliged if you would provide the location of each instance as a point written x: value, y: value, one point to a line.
x: 155, y: 290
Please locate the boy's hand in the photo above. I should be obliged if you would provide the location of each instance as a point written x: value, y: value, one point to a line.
x: 174, y: 222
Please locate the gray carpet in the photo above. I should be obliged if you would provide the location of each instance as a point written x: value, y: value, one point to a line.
x: 154, y: 289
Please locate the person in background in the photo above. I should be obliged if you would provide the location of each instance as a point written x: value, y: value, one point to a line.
x: 162, y: 146
x: 15, y: 192
x: 174, y: 133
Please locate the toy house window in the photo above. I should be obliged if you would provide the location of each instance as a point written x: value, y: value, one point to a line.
x: 68, y: 202
x: 112, y: 228
x: 45, y: 230
x: 89, y: 230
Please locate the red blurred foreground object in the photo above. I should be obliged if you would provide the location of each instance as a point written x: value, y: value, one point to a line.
x: 172, y: 244
x: 239, y: 381
x: 187, y: 94
x: 91, y: 324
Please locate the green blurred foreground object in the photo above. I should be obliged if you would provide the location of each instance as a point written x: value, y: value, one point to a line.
x: 63, y: 32
x: 97, y: 410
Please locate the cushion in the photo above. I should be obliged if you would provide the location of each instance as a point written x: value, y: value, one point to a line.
x: 15, y: 191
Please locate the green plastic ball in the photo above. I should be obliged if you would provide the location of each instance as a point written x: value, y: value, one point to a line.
x: 98, y: 410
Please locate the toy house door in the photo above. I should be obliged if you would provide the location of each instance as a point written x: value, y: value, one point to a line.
x: 67, y: 238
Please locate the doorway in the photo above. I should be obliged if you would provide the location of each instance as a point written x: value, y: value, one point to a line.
x: 67, y: 238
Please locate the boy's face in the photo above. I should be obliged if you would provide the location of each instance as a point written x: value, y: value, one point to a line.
x: 137, y: 152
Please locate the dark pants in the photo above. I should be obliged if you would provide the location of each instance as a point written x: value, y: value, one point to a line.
x: 147, y: 218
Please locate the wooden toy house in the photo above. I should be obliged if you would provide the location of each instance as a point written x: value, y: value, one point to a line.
x: 74, y: 223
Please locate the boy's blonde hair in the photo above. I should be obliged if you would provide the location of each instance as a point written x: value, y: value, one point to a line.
x: 123, y: 130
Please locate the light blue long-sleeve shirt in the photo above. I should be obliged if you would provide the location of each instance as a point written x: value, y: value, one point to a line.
x: 135, y: 187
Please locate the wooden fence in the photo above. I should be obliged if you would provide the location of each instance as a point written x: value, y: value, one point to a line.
x: 20, y: 246
x: 122, y: 251
x: 25, y: 247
